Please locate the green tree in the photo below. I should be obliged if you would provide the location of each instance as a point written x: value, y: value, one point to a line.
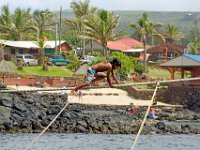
x: 81, y: 9
x: 41, y: 59
x: 5, y: 21
x: 75, y: 26
x: 101, y: 27
x: 153, y: 27
x: 127, y: 63
x: 144, y: 29
x: 41, y: 20
x: 172, y: 34
x: 193, y: 48
x: 71, y: 38
x: 17, y: 26
x: 74, y: 61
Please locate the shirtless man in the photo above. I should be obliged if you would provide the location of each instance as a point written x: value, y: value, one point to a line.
x: 96, y: 73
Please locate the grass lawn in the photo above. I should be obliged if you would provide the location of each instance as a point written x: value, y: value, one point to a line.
x: 53, y: 71
x: 156, y: 72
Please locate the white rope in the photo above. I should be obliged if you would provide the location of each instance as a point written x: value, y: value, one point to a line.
x: 92, y: 87
x: 163, y: 81
x: 38, y: 137
x: 145, y: 117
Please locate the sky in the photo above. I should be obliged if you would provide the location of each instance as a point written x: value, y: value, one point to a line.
x: 151, y: 5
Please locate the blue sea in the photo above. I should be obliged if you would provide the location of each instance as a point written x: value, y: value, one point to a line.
x: 54, y: 141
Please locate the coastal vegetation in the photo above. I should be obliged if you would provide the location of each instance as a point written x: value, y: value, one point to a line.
x: 86, y: 24
x: 24, y: 25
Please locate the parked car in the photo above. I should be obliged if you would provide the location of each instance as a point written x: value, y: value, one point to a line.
x: 88, y: 59
x: 57, y: 60
x: 27, y: 59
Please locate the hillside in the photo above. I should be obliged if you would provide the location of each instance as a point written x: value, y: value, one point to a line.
x: 181, y: 19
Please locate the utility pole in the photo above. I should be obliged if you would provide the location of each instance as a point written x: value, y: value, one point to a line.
x: 145, y: 53
x: 196, y: 28
x: 60, y: 30
x: 56, y: 38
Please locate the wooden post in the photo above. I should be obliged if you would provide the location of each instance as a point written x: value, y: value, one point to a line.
x: 172, y: 72
x: 165, y: 53
x: 182, y: 73
x: 193, y: 72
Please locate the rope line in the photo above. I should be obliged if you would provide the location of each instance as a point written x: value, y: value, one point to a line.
x: 119, y: 85
x: 145, y: 118
x: 38, y: 137
x: 97, y: 87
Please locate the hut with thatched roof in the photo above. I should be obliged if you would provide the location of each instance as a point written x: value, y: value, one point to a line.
x: 165, y: 51
x: 81, y: 71
x: 6, y: 69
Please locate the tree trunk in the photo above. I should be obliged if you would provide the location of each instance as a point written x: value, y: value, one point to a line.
x: 45, y: 67
x: 152, y: 40
x: 145, y: 53
x: 83, y: 46
x: 41, y: 57
x: 91, y: 46
x: 104, y: 50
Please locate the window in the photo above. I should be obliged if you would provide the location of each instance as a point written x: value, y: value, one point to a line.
x: 28, y: 57
x: 20, y: 51
x: 12, y: 51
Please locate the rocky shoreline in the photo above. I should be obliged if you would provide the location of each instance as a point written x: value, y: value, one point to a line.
x: 32, y: 112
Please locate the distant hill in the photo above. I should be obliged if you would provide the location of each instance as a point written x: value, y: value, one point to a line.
x: 185, y: 20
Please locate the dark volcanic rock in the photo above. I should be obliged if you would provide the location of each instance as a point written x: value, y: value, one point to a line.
x: 32, y: 112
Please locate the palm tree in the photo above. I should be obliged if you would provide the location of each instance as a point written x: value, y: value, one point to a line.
x: 143, y: 28
x: 172, y: 34
x: 81, y: 10
x: 17, y: 26
x: 193, y: 48
x: 153, y: 27
x: 42, y: 22
x: 41, y: 45
x: 101, y: 26
x: 5, y: 21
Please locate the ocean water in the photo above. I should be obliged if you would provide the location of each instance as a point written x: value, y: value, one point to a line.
x: 99, y: 142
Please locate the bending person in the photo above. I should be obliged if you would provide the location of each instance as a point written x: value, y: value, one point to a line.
x: 96, y: 73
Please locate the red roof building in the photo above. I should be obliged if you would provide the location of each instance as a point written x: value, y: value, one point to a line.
x: 124, y: 44
x: 165, y: 51
x: 127, y: 45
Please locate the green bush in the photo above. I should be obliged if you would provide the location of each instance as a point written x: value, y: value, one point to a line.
x: 70, y: 66
x: 139, y: 68
x: 127, y: 63
x: 74, y: 61
x: 20, y: 65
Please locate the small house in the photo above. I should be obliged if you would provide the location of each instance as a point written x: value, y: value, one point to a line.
x: 13, y: 48
x: 165, y: 51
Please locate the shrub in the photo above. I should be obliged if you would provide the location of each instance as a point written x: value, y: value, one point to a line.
x: 74, y: 61
x: 139, y: 68
x: 20, y: 65
x: 127, y: 63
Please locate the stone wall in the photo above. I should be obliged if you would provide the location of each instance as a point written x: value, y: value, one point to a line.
x: 184, y: 95
x: 139, y: 94
x: 49, y: 81
x: 188, y: 96
x: 31, y: 112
